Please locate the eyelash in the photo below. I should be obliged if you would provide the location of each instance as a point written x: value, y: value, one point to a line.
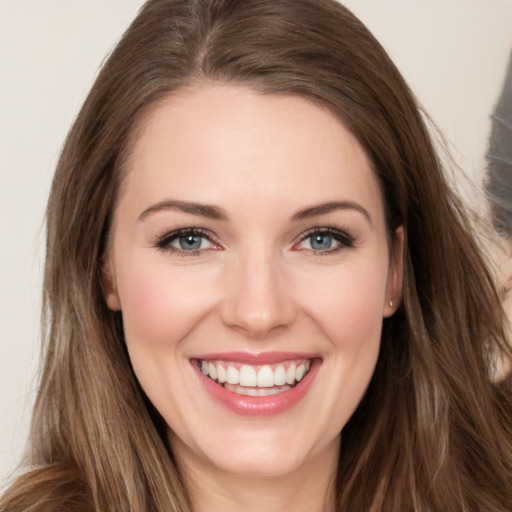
x: 344, y: 239
x: 163, y: 242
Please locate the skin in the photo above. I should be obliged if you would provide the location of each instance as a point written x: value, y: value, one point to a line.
x: 256, y: 284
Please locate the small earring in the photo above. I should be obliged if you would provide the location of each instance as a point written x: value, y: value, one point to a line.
x: 390, y: 303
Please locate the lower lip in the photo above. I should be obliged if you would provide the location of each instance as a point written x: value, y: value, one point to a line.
x: 271, y: 405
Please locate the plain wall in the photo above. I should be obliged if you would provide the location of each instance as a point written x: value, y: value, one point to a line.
x: 452, y: 52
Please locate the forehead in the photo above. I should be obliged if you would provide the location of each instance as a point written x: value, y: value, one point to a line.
x: 231, y: 141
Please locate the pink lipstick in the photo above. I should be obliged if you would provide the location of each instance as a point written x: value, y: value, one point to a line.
x: 253, y: 384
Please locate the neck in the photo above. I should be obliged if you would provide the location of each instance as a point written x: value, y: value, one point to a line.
x: 309, y: 488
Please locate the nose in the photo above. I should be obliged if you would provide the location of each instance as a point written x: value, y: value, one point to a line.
x: 259, y: 299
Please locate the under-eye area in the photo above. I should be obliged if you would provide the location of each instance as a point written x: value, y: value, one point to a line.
x: 255, y: 380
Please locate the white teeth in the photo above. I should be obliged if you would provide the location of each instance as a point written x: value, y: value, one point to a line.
x: 280, y: 376
x: 263, y: 378
x: 290, y: 374
x: 241, y: 390
x: 299, y: 373
x: 221, y: 374
x: 212, y: 371
x: 248, y: 376
x: 233, y: 377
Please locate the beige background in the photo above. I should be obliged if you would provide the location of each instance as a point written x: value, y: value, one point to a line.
x: 452, y: 52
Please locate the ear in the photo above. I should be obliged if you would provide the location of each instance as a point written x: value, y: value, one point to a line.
x: 395, y: 274
x: 109, y: 287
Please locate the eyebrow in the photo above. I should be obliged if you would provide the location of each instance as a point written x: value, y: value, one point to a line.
x: 217, y: 213
x: 325, y: 208
x: 202, y: 210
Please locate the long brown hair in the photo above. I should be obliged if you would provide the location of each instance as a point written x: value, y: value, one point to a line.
x: 433, y: 432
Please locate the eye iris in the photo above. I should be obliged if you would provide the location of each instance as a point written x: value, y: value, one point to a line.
x: 321, y: 241
x: 190, y: 242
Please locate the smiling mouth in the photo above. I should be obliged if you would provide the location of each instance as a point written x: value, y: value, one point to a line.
x: 255, y: 380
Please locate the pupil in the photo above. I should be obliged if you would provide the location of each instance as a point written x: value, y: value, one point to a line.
x: 190, y: 242
x: 321, y: 241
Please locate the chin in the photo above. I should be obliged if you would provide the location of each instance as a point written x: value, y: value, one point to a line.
x: 264, y: 452
x: 261, y: 463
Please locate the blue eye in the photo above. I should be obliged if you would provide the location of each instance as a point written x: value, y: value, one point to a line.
x: 189, y: 242
x: 326, y: 240
x: 320, y: 241
x: 185, y: 241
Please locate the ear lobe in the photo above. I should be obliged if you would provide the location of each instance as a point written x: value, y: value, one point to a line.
x: 395, y: 273
x: 110, y: 289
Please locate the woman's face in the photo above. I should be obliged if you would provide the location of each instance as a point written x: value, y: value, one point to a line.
x: 250, y: 260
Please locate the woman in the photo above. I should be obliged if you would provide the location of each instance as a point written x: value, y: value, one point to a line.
x: 260, y: 291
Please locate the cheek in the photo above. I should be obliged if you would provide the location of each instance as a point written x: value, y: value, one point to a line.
x: 349, y: 312
x: 161, y: 305
x: 349, y: 306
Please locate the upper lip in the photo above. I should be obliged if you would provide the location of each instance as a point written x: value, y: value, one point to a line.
x: 256, y: 358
